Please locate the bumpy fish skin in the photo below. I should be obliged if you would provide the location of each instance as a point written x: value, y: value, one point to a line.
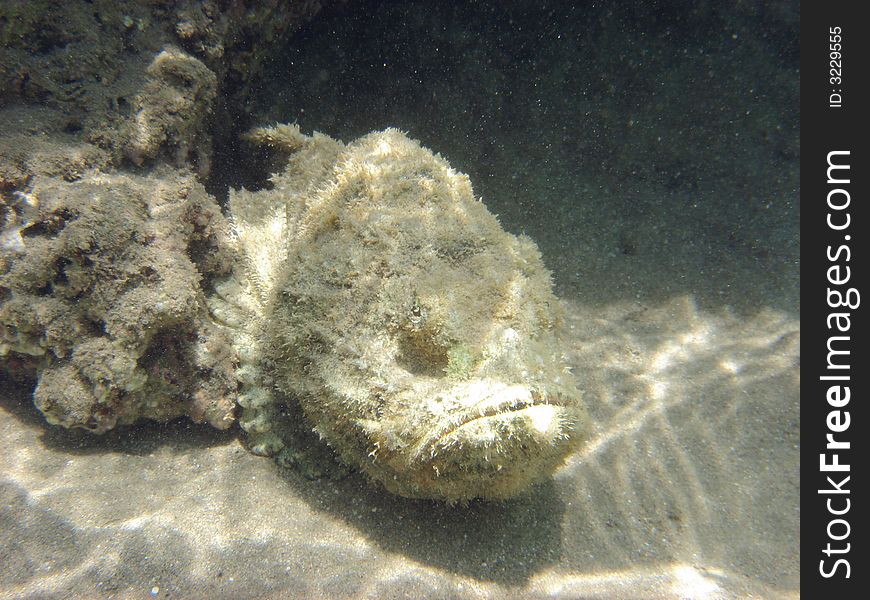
x: 418, y: 337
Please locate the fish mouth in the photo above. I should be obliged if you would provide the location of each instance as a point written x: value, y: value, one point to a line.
x: 499, y: 416
x: 540, y: 414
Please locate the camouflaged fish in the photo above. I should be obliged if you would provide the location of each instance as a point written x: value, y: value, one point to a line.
x: 418, y: 337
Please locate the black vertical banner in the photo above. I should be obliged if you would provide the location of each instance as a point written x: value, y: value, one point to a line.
x: 835, y: 66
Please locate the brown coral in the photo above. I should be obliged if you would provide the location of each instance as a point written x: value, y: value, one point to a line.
x: 102, y: 289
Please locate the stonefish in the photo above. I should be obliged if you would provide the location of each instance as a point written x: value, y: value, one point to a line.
x: 418, y: 337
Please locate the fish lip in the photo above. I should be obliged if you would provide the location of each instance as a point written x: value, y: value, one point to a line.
x: 516, y: 406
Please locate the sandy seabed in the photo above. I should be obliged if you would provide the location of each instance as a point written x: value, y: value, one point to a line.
x: 688, y: 488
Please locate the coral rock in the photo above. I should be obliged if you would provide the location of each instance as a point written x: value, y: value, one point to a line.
x: 171, y: 109
x: 101, y: 298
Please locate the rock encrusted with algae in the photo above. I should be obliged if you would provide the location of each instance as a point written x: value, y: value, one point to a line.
x: 140, y: 79
x: 419, y: 338
x: 170, y: 111
x: 101, y: 299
